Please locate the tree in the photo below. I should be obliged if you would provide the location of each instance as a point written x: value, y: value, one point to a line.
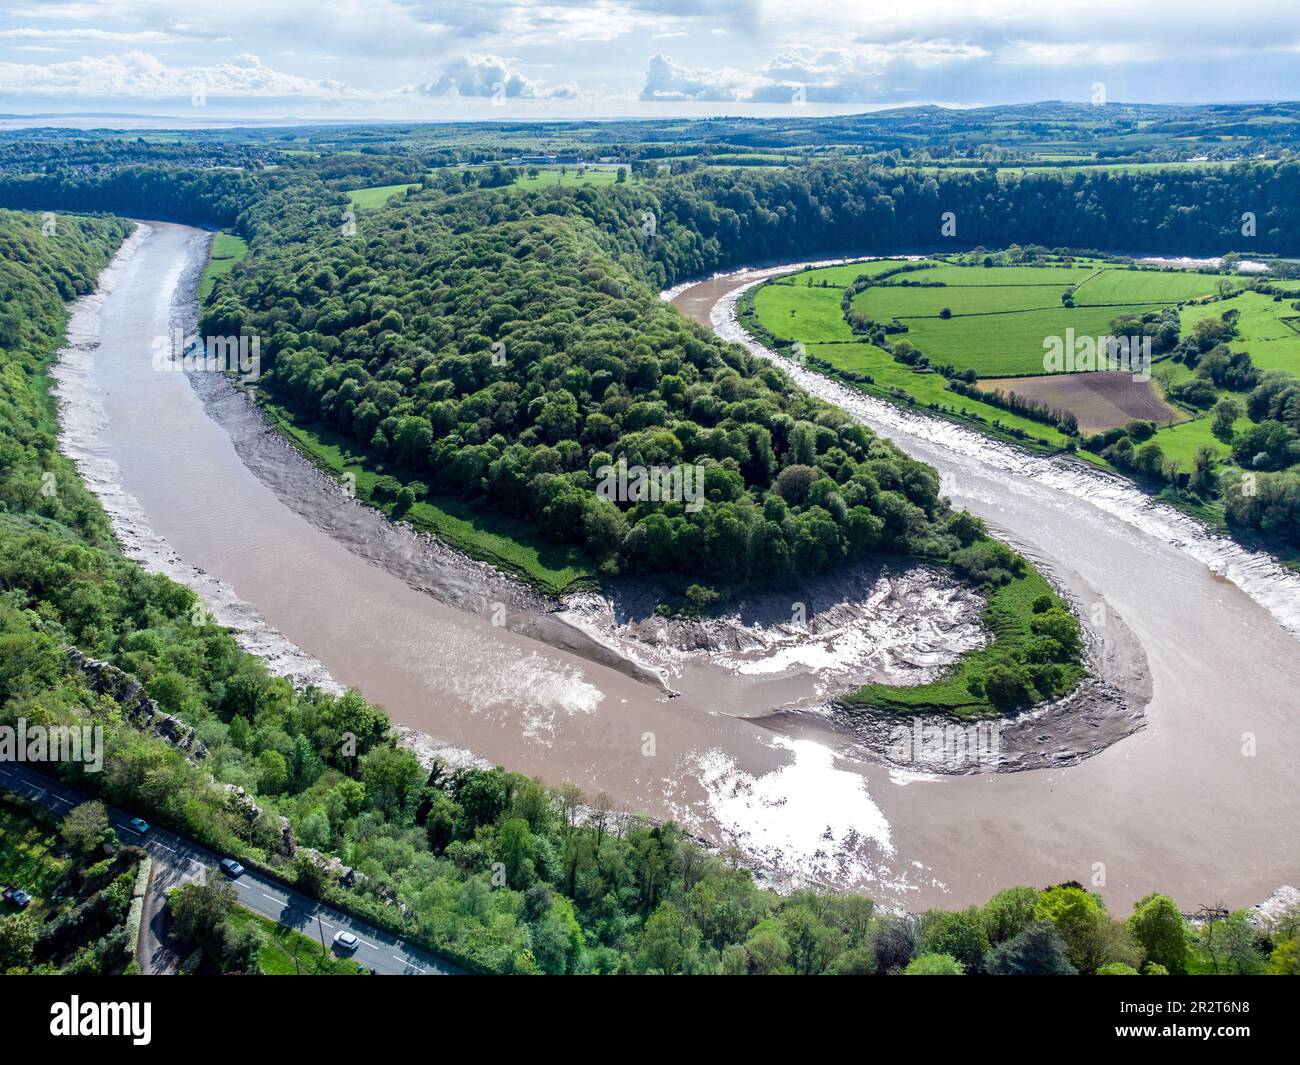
x: 199, y: 909
x: 1159, y: 930
x: 17, y: 940
x: 483, y: 794
x: 894, y: 942
x: 1008, y: 912
x: 957, y: 935
x: 1079, y: 919
x: 86, y: 826
x: 240, y: 947
x: 1285, y: 959
x: 1239, y: 945
x: 769, y: 953
x: 666, y: 942
x: 392, y: 779
x: 1226, y: 413
x: 934, y: 965
x: 558, y: 941
x: 1036, y: 950
x: 514, y: 845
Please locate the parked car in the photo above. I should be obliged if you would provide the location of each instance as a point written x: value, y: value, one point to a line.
x: 345, y: 942
x: 232, y: 868
x: 138, y: 825
x: 18, y: 897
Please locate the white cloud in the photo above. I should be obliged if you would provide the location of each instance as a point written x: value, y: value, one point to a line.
x: 138, y: 75
x: 854, y: 74
x: 669, y: 81
x: 476, y: 74
x: 87, y: 35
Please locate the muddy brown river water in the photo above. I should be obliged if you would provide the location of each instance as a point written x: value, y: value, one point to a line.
x: 1201, y: 803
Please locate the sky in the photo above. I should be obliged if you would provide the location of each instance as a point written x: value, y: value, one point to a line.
x: 269, y: 60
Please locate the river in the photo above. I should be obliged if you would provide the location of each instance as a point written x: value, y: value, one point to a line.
x: 1176, y: 806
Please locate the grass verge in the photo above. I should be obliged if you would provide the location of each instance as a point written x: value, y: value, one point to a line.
x: 287, y: 952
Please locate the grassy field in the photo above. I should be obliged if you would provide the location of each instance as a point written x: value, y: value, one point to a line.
x: 568, y: 177
x: 1054, y: 277
x: 1007, y: 615
x: 227, y: 250
x: 508, y: 544
x: 884, y: 302
x: 1003, y: 345
x: 1150, y: 286
x: 376, y: 195
x: 1269, y: 329
x: 281, y: 946
x: 839, y: 276
x: 927, y: 388
x: 798, y: 312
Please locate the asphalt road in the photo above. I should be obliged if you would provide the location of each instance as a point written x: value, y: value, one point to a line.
x: 177, y: 860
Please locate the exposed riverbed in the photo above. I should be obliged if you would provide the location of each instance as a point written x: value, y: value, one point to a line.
x: 329, y: 592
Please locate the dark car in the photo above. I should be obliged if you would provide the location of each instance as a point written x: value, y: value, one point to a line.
x: 232, y: 868
x: 18, y: 897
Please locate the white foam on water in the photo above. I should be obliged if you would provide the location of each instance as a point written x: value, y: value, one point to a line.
x: 810, y: 819
x: 527, y: 692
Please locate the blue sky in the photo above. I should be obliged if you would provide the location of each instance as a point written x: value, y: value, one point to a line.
x: 412, y: 59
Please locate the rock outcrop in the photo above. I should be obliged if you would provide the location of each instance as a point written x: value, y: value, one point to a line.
x: 138, y: 709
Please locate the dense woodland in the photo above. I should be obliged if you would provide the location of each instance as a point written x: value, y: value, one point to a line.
x: 390, y: 338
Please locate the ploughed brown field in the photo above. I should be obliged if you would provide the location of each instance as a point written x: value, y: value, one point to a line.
x: 1102, y: 400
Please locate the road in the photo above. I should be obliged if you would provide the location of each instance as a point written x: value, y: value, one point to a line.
x: 177, y: 860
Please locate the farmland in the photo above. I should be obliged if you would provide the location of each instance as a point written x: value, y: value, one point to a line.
x: 990, y: 319
x: 1100, y: 401
x: 1009, y: 343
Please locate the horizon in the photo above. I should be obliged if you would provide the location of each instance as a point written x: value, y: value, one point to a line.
x: 63, y: 119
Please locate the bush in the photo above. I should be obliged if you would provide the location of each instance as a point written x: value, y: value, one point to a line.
x: 934, y: 965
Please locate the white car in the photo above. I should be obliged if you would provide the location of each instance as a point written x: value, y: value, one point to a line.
x: 345, y: 942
